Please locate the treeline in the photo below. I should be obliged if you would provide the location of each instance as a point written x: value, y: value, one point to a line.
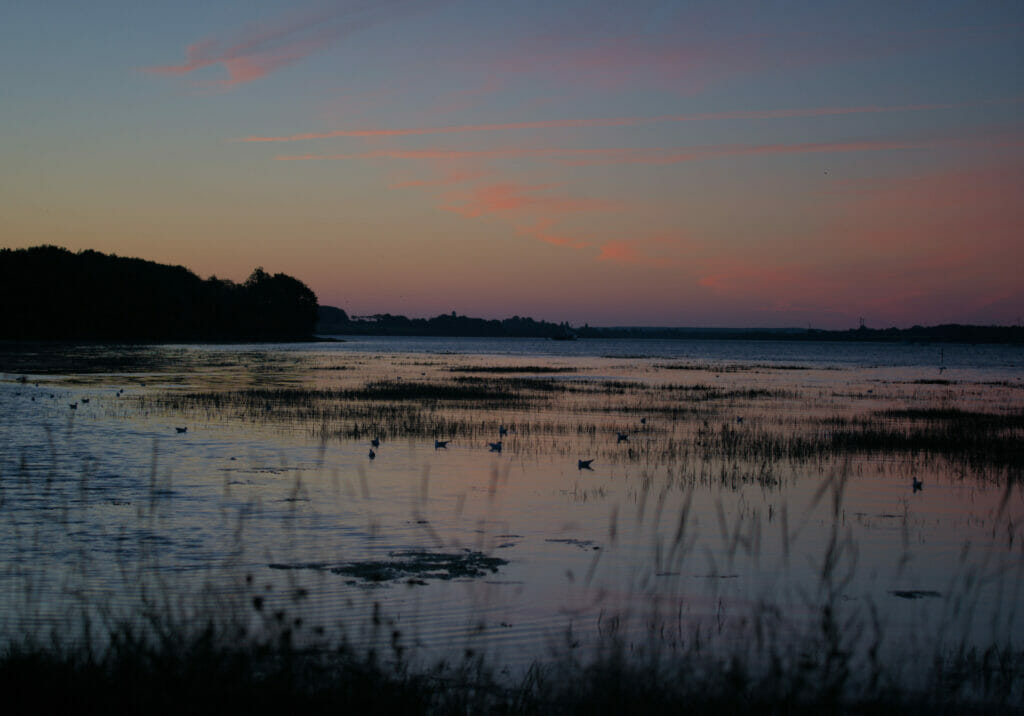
x: 335, y: 320
x: 946, y: 333
x: 50, y: 293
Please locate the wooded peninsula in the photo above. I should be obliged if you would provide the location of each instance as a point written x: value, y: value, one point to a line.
x: 50, y: 293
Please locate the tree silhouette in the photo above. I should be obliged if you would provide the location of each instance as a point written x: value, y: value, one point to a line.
x: 49, y: 292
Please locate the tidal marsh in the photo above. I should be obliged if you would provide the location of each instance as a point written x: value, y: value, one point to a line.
x: 756, y: 525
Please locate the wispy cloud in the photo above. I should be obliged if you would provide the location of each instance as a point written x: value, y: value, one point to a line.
x: 257, y: 49
x: 597, y: 122
x: 617, y: 155
x: 629, y: 252
x: 543, y: 231
x: 511, y: 197
x: 453, y: 175
x: 689, y: 154
x: 932, y: 246
x: 688, y: 53
x: 532, y: 210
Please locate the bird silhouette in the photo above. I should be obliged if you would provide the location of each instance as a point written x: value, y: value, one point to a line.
x: 739, y: 420
x: 621, y: 437
x: 84, y: 401
x: 375, y: 442
x: 73, y: 406
x: 643, y: 421
x: 182, y: 430
x: 502, y: 431
x: 495, y: 447
x: 584, y: 464
x: 916, y: 484
x: 441, y: 444
x: 372, y: 454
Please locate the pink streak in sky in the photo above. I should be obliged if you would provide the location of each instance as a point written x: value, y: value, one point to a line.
x: 627, y: 252
x: 617, y: 155
x: 542, y: 231
x: 258, y: 49
x: 511, y: 197
x: 599, y: 122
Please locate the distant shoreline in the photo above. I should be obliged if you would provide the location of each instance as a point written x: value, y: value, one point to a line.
x: 969, y: 335
x: 334, y: 321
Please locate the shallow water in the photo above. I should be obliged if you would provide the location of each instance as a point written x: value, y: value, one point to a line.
x: 671, y: 540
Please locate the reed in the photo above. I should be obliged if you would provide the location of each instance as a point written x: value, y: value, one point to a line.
x: 706, y: 492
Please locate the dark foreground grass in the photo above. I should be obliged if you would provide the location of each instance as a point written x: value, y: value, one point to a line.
x: 205, y: 671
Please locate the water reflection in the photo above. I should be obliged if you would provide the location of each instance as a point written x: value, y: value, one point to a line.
x: 748, y: 492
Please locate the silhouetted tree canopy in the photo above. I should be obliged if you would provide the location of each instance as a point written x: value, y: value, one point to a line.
x: 49, y: 292
x: 335, y: 320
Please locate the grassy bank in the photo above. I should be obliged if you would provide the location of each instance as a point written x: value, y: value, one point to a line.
x: 194, y: 669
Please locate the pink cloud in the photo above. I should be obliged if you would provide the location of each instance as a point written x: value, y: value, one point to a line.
x: 596, y: 122
x: 444, y: 154
x: 615, y: 155
x: 628, y: 252
x: 532, y: 210
x: 685, y: 53
x: 511, y: 197
x: 456, y: 175
x: 258, y: 49
x: 542, y: 231
x: 653, y: 250
x: 924, y: 248
x: 689, y: 154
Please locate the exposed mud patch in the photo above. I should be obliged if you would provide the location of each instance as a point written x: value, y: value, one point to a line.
x: 412, y: 567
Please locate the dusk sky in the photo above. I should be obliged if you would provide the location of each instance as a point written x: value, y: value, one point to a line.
x: 640, y: 163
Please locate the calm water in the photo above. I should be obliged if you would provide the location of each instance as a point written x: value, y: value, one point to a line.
x: 665, y: 542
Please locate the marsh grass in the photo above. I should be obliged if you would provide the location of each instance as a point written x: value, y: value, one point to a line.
x: 202, y: 674
x: 735, y: 367
x: 245, y: 653
x: 695, y: 418
x: 816, y: 652
x: 532, y: 369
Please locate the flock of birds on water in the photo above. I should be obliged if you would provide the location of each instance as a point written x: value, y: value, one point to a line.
x: 915, y: 484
